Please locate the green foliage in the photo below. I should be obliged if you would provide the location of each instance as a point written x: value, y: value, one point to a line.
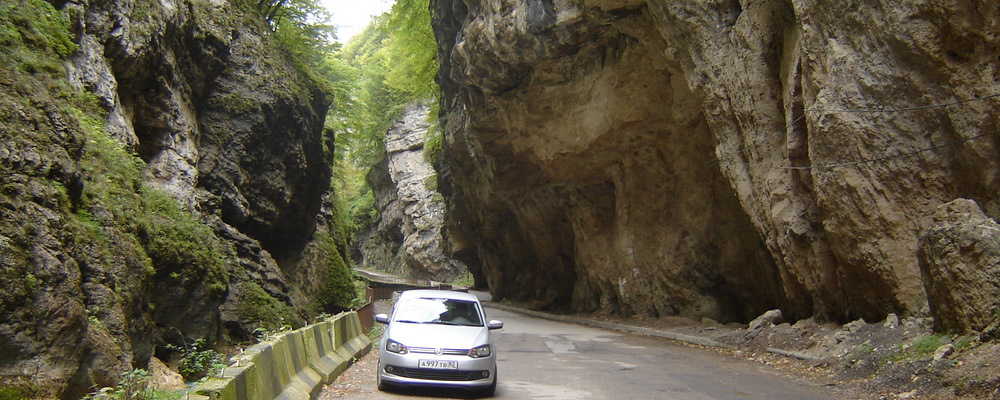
x: 389, y: 65
x: 433, y: 145
x: 34, y: 95
x: 303, y: 29
x: 131, y: 386
x: 926, y: 345
x: 411, y: 49
x: 178, y: 240
x: 963, y: 343
x: 857, y: 355
x: 922, y: 348
x: 34, y: 35
x: 24, y: 390
x: 197, y: 360
x: 254, y: 304
x: 35, y: 38
x: 466, y: 280
x: 355, y: 201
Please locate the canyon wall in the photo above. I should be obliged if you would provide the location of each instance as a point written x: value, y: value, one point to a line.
x: 224, y: 135
x: 714, y: 158
x: 406, y: 238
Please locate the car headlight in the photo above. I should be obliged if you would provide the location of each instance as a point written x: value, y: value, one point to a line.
x: 481, y: 351
x: 395, y: 347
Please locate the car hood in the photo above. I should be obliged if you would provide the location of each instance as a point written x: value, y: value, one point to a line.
x: 438, y: 336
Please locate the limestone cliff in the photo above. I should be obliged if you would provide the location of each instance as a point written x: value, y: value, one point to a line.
x: 714, y: 158
x: 198, y: 95
x: 407, y: 239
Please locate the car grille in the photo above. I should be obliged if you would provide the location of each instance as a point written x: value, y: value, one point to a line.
x: 439, y: 375
x: 446, y: 352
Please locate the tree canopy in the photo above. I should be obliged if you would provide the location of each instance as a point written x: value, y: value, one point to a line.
x: 390, y: 64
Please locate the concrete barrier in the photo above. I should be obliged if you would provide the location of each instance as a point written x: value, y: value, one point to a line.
x: 293, y: 365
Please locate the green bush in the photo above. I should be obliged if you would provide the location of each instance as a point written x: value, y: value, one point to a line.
x: 197, y: 360
x: 178, y: 240
x: 133, y: 385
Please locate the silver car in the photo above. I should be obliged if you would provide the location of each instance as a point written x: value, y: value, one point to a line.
x: 437, y: 338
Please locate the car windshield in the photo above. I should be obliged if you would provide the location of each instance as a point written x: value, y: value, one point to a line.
x: 424, y: 310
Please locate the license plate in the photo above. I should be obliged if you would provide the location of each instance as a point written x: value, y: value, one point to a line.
x: 438, y: 364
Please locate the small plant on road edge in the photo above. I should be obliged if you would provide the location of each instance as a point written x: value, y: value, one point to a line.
x: 133, y: 385
x: 197, y: 361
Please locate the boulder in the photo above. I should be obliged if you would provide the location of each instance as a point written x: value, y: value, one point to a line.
x: 770, y: 318
x: 960, y: 261
x: 161, y: 377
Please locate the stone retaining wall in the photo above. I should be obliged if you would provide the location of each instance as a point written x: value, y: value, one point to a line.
x: 293, y: 365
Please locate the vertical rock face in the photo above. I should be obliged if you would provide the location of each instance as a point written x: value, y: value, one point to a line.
x: 215, y: 108
x: 225, y: 125
x: 407, y: 238
x: 224, y: 121
x: 713, y: 158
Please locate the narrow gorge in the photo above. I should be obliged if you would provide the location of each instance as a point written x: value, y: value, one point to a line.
x: 169, y: 169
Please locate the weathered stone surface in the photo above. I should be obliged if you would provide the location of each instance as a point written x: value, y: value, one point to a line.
x: 407, y: 238
x: 713, y: 158
x: 226, y: 125
x: 960, y: 261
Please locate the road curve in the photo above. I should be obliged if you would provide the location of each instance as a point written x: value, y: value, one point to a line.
x: 543, y: 359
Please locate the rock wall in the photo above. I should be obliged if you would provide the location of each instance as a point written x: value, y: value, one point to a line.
x: 713, y: 158
x: 407, y: 238
x: 224, y: 124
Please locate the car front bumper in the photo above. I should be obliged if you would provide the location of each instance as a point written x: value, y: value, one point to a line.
x: 403, y: 370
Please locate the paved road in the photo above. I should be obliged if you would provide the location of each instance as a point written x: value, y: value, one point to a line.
x: 542, y: 359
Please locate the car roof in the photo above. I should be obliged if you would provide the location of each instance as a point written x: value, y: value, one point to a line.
x: 438, y: 294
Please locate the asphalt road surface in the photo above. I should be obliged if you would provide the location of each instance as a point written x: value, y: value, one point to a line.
x: 542, y: 359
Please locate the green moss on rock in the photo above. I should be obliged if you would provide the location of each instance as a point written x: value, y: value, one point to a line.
x: 254, y: 304
x: 338, y: 292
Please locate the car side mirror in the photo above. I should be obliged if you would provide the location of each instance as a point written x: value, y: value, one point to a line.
x: 382, y: 318
x: 494, y: 324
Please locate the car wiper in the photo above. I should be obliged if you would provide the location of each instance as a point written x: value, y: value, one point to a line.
x: 444, y: 323
x: 406, y: 321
